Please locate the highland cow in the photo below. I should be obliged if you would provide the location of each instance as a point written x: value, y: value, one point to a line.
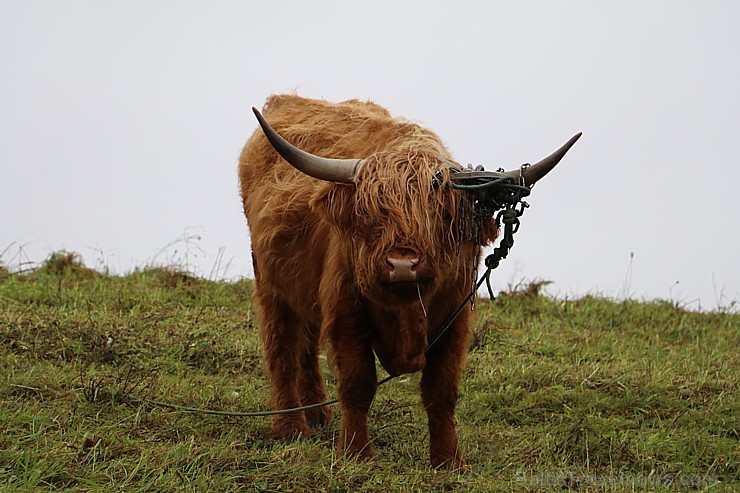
x: 358, y: 242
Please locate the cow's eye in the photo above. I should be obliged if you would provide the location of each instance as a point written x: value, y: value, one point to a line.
x: 437, y: 180
x: 376, y: 231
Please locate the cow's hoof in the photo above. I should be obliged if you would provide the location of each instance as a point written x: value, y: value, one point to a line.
x: 321, y: 416
x: 289, y: 427
x: 455, y: 464
x: 364, y: 455
x: 360, y: 453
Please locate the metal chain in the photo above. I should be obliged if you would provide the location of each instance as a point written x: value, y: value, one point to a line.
x: 510, y: 218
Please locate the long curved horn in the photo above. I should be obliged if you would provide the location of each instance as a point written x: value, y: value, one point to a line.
x: 336, y: 170
x: 530, y: 174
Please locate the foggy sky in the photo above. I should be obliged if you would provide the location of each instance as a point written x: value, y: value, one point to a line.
x: 121, y: 125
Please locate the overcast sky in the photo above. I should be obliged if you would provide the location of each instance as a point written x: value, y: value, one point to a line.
x: 121, y: 125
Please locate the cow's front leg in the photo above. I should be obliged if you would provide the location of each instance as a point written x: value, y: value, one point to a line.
x: 439, y: 391
x: 355, y: 366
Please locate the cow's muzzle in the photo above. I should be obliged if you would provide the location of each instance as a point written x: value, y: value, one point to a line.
x: 402, y: 265
x: 405, y: 271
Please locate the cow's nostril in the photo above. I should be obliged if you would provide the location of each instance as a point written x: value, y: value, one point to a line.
x: 403, y: 257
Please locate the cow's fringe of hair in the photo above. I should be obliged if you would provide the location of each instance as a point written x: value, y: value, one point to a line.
x: 396, y: 188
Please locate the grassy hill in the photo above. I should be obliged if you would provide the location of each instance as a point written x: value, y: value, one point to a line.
x: 587, y: 394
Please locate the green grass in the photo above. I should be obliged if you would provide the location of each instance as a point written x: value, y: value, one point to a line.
x: 584, y: 395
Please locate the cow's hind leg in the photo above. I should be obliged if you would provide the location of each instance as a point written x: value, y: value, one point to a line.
x: 311, y: 385
x: 283, y: 341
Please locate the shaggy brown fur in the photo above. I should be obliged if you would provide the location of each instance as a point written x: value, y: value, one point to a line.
x: 320, y: 259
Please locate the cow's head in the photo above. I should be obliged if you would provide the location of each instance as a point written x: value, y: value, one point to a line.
x: 404, y: 229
